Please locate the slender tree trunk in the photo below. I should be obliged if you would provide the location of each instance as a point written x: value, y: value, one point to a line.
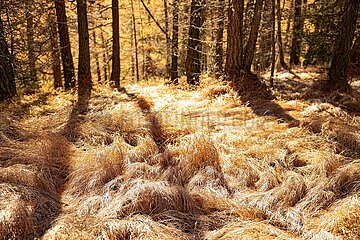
x: 96, y: 55
x: 219, y: 58
x: 355, y: 52
x: 175, y: 43
x: 84, y: 71
x: 7, y: 76
x: 193, y: 58
x: 279, y: 36
x: 31, y: 43
x: 105, y: 58
x: 297, y: 34
x: 234, y: 55
x: 135, y: 41
x: 273, y: 6
x: 287, y: 35
x: 168, y: 40
x: 55, y: 51
x: 339, y: 64
x: 115, y: 74
x: 65, y: 47
x: 251, y: 44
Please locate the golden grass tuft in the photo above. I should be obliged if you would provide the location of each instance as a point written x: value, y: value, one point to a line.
x: 169, y: 162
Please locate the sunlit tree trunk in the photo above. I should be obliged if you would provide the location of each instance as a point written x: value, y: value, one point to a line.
x: 135, y: 41
x: 65, y: 47
x: 193, y: 58
x: 84, y: 72
x: 279, y: 36
x: 115, y: 74
x: 219, y: 58
x: 175, y: 43
x: 272, y: 43
x: 168, y: 40
x: 234, y: 52
x: 96, y: 55
x: 251, y: 44
x: 55, y: 51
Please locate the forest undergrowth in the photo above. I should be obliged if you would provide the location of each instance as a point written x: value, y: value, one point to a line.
x: 158, y: 161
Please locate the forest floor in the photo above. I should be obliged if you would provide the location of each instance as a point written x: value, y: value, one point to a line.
x: 165, y: 162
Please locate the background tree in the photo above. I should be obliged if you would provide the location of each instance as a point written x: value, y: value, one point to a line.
x: 65, y: 46
x: 115, y: 74
x: 339, y: 64
x: 193, y: 58
x: 175, y: 43
x: 84, y: 72
x: 7, y: 77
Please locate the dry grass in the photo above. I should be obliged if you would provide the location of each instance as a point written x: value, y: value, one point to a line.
x: 165, y: 162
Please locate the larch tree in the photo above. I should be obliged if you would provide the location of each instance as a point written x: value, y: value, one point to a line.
x: 193, y: 57
x: 297, y: 34
x: 29, y: 11
x: 115, y: 74
x: 234, y: 52
x: 84, y: 71
x: 174, y: 74
x: 338, y: 71
x: 7, y: 77
x: 65, y: 46
x: 55, y: 50
x: 250, y: 47
x: 219, y: 58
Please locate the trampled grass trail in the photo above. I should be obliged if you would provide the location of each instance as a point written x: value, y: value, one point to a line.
x: 164, y: 162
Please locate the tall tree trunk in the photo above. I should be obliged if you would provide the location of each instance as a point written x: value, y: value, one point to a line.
x: 96, y: 55
x: 175, y: 43
x: 355, y: 52
x: 251, y: 44
x: 279, y: 36
x: 105, y: 58
x: 135, y: 41
x: 219, y: 58
x: 55, y: 51
x: 287, y: 35
x: 339, y: 64
x: 193, y: 58
x: 168, y: 40
x: 7, y: 76
x: 115, y: 74
x: 84, y: 71
x: 297, y: 34
x: 234, y: 55
x: 31, y: 43
x: 272, y: 43
x: 65, y: 47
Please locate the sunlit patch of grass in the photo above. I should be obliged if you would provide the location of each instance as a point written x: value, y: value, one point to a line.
x: 170, y: 162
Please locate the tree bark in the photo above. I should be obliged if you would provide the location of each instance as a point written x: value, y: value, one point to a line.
x: 84, y: 72
x: 168, y: 40
x: 105, y: 58
x: 340, y: 61
x: 279, y: 36
x: 234, y: 55
x: 272, y: 43
x: 7, y: 76
x: 295, y: 52
x: 135, y: 41
x: 65, y: 47
x: 175, y: 43
x: 219, y: 58
x: 31, y: 43
x: 193, y: 58
x: 55, y: 51
x: 115, y: 74
x: 96, y: 55
x: 251, y: 44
